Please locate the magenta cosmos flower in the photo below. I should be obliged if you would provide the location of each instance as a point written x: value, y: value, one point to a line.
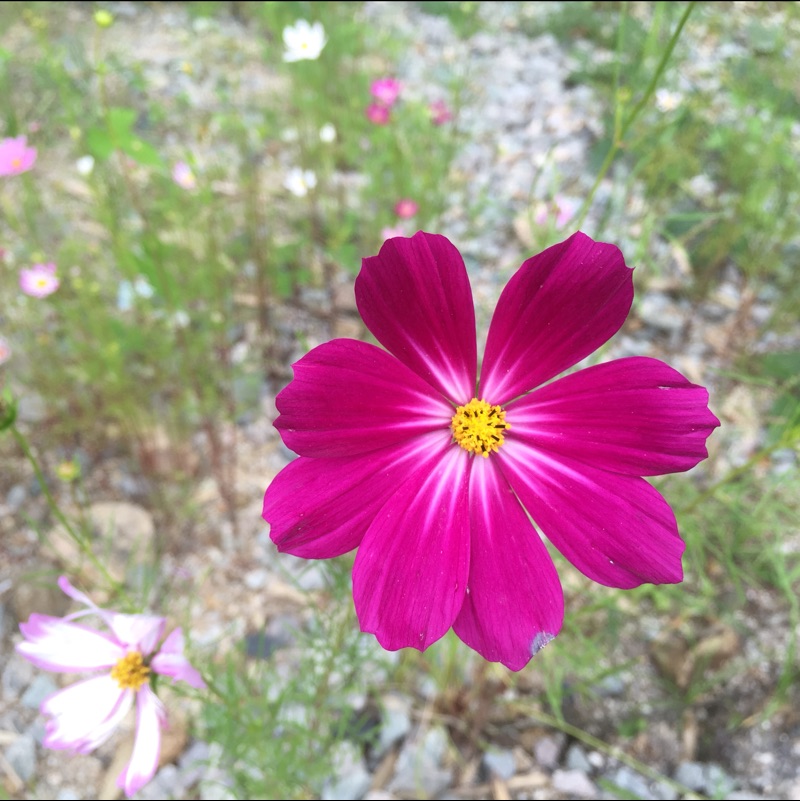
x: 39, y: 281
x: 16, y: 156
x: 386, y: 91
x: 431, y: 468
x: 84, y: 715
x: 378, y: 114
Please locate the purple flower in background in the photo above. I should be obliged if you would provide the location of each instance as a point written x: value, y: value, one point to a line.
x: 16, y: 156
x: 39, y: 281
x: 431, y: 467
x: 84, y: 715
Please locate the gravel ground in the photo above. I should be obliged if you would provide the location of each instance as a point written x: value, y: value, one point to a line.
x: 520, y: 107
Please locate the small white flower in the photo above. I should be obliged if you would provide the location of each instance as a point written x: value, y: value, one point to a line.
x: 667, y: 101
x: 84, y: 165
x: 143, y: 288
x: 303, y: 41
x: 327, y: 133
x: 299, y: 181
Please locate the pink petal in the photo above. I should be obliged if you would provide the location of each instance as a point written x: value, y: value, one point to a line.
x: 150, y: 717
x: 170, y: 661
x: 559, y: 307
x: 410, y: 573
x: 415, y: 298
x: 636, y: 416
x: 615, y: 529
x: 349, y: 398
x: 514, y: 604
x: 52, y: 643
x: 138, y: 632
x: 84, y: 715
x: 320, y: 508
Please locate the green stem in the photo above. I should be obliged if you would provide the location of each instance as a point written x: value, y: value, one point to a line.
x: 59, y: 515
x: 611, y: 751
x: 619, y: 135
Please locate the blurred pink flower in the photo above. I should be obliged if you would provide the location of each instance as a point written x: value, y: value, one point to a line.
x: 39, y: 281
x: 391, y: 232
x: 84, y: 715
x: 386, y: 91
x: 16, y: 156
x: 440, y: 112
x: 378, y: 114
x: 183, y: 176
x: 405, y: 208
x: 5, y: 350
x: 563, y: 208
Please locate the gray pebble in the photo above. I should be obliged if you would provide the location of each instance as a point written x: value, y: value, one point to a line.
x: 574, y: 784
x: 42, y: 686
x: 500, y: 763
x: 21, y: 755
x: 577, y: 759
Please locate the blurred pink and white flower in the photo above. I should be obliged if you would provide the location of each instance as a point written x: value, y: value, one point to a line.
x: 16, y: 156
x: 391, y: 232
x: 378, y: 114
x: 84, y: 715
x: 303, y: 41
x: 183, y: 176
x: 386, y: 91
x: 5, y: 351
x: 562, y: 208
x: 39, y: 281
x: 440, y: 112
x: 299, y: 181
x: 406, y: 208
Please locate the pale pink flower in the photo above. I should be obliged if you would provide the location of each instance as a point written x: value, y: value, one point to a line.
x: 440, y: 112
x: 183, y: 176
x: 39, y: 281
x: 84, y: 715
x: 16, y: 156
x: 378, y: 114
x: 406, y: 208
x: 5, y: 351
x: 389, y: 232
x: 386, y: 91
x: 563, y: 208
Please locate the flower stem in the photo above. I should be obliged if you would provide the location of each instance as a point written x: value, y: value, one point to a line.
x: 623, y: 124
x: 80, y: 540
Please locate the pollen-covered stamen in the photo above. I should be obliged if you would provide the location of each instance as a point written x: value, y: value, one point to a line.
x: 478, y: 427
x: 130, y: 672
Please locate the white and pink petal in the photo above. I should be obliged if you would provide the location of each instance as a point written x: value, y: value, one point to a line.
x: 410, y: 573
x: 138, y: 632
x: 559, y: 307
x: 150, y: 717
x: 84, y: 715
x: 170, y: 661
x: 415, y: 297
x: 514, y: 604
x: 53, y: 643
x: 615, y: 529
x: 636, y: 416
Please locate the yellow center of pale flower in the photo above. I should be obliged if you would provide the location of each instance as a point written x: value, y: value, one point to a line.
x: 478, y: 427
x: 130, y: 672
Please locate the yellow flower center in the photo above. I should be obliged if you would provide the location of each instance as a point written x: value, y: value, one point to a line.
x: 16, y: 162
x: 478, y: 427
x: 130, y: 672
